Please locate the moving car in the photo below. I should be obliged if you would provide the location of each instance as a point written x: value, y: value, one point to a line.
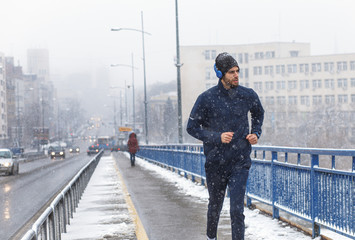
x: 93, y: 149
x: 115, y: 148
x: 74, y: 149
x: 8, y: 163
x: 57, y: 151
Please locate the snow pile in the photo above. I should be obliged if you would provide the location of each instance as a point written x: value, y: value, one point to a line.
x: 102, y: 211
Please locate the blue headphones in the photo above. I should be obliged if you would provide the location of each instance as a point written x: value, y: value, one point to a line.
x: 219, y: 74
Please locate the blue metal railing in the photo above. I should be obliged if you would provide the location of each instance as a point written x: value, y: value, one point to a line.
x: 320, y: 195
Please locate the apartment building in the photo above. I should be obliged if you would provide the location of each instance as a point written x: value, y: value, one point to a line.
x: 3, y: 111
x: 38, y: 63
x: 291, y: 83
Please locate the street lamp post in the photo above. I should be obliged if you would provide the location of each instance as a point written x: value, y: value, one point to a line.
x: 145, y: 85
x: 133, y: 94
x: 178, y: 66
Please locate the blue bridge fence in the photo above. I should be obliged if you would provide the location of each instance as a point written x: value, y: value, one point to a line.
x: 288, y: 179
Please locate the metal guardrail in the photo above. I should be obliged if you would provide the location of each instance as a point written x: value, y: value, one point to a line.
x: 54, y: 219
x: 323, y: 196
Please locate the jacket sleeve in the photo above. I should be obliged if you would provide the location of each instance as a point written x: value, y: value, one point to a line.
x: 198, y: 120
x: 257, y: 115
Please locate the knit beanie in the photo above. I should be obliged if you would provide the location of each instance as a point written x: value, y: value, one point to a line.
x: 224, y: 62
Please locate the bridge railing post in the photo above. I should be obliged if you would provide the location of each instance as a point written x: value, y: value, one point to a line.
x: 275, y: 210
x: 314, y: 195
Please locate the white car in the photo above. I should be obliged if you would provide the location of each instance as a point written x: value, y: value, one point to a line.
x: 8, y: 163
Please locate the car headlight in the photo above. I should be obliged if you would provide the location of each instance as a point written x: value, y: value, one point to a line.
x: 7, y: 164
x: 53, y: 153
x: 71, y: 150
x: 61, y: 153
x: 77, y: 149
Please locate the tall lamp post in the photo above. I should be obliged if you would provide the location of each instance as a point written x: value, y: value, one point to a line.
x: 178, y: 66
x: 145, y: 85
x: 133, y: 94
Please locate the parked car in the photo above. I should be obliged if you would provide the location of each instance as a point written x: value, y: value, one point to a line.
x: 74, y: 149
x: 57, y: 151
x: 8, y: 163
x: 93, y: 149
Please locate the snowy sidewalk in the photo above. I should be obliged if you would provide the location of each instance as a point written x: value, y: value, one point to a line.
x: 103, y: 212
x: 105, y: 209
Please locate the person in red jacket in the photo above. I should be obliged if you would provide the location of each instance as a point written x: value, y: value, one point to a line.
x: 133, y: 147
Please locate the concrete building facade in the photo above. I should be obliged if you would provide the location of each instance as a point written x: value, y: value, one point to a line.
x: 3, y: 110
x: 291, y: 83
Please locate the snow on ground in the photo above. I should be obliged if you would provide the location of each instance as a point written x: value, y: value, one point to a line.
x: 258, y: 226
x: 102, y: 211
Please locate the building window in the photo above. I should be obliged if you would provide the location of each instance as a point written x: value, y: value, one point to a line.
x: 281, y: 100
x: 257, y: 70
x: 294, y: 53
x: 305, y: 100
x: 329, y: 99
x: 329, y: 83
x: 352, y: 82
x: 352, y: 65
x: 240, y: 57
x: 342, y: 83
x: 291, y: 84
x: 353, y: 98
x: 280, y: 85
x: 241, y: 73
x: 259, y: 55
x: 317, y: 99
x: 207, y: 54
x: 269, y: 85
x: 213, y: 54
x: 342, y: 66
x: 270, y: 54
x: 316, y: 83
x: 343, y: 98
x: 270, y: 100
x: 316, y: 67
x: 292, y: 100
x: 304, y: 68
x: 246, y: 73
x: 258, y: 86
x: 280, y: 69
x: 304, y: 84
x: 246, y: 57
x: 269, y: 70
x: 328, y: 66
x: 208, y: 73
x: 291, y: 68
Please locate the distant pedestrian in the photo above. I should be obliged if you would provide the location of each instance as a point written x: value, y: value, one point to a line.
x: 133, y: 147
x: 219, y: 119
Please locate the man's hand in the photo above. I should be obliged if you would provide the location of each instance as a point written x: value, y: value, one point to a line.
x: 226, y: 137
x: 252, y: 138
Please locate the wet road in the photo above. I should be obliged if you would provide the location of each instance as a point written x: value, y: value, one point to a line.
x: 23, y: 195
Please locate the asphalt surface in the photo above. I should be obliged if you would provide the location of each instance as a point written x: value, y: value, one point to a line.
x: 23, y: 195
x: 164, y: 212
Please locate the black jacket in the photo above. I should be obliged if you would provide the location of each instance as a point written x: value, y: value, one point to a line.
x: 218, y: 110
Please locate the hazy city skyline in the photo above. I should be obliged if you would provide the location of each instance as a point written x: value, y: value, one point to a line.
x: 78, y: 36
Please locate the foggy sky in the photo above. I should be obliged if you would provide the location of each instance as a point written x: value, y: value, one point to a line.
x: 77, y: 32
